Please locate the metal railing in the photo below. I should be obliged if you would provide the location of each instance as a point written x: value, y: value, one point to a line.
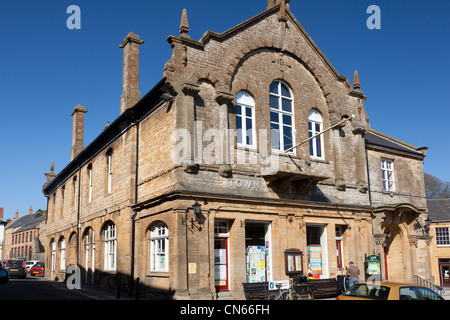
x: 428, y: 284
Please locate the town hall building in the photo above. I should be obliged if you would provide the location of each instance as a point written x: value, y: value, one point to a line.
x: 252, y: 147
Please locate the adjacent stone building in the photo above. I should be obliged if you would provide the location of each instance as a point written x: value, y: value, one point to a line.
x: 439, y: 214
x: 251, y: 145
x: 22, y: 237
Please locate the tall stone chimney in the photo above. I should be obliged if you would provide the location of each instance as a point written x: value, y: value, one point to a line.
x: 77, y: 131
x: 30, y: 211
x: 16, y: 215
x: 130, y: 86
x: 1, y: 213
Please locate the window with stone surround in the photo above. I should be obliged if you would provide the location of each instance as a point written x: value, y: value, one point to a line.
x: 89, y: 181
x: 315, y: 126
x: 110, y: 240
x: 281, y: 116
x: 387, y: 169
x: 442, y: 237
x: 159, y: 248
x: 109, y: 165
x: 245, y: 120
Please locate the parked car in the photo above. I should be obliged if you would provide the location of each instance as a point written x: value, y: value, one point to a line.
x: 4, y: 277
x: 16, y: 268
x: 389, y: 291
x: 30, y: 263
x: 38, y: 269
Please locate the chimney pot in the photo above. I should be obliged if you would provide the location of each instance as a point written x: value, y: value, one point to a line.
x: 17, y: 214
x: 1, y: 213
x: 30, y: 211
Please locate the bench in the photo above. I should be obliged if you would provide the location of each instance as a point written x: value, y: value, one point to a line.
x: 323, y: 287
x: 256, y: 291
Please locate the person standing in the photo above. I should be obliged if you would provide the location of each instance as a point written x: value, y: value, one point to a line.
x: 353, y: 274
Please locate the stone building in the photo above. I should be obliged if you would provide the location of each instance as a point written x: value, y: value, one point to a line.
x: 439, y: 214
x: 251, y: 144
x: 22, y: 237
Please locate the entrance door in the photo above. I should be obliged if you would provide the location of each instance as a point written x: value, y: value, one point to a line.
x: 444, y: 269
x: 221, y: 261
x: 221, y: 264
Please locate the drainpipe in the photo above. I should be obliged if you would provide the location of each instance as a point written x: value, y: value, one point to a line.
x: 133, y: 217
x: 78, y: 212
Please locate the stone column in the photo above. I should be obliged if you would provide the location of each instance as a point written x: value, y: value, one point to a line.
x: 339, y: 177
x: 379, y: 240
x: 224, y: 100
x: 413, y: 244
x: 186, y: 117
x: 360, y: 159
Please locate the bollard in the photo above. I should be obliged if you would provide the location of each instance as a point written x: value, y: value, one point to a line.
x: 137, y: 289
x: 119, y: 286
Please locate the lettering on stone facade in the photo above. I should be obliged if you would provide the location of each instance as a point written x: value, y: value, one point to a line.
x: 245, y: 184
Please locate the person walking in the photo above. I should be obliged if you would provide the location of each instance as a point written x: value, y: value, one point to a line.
x: 353, y: 274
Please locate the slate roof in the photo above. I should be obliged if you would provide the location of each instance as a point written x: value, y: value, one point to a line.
x: 439, y: 209
x: 27, y: 222
x: 378, y: 139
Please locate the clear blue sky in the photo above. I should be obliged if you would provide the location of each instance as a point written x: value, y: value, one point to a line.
x: 47, y: 69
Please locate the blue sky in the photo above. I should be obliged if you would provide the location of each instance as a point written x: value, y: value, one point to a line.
x: 47, y: 69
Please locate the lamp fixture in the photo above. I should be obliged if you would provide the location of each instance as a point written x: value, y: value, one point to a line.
x: 427, y: 226
x: 199, y: 217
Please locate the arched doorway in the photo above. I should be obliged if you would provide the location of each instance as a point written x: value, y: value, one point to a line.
x: 394, y: 251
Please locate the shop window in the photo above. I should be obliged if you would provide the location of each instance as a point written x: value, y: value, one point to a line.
x: 258, y: 251
x: 317, y: 251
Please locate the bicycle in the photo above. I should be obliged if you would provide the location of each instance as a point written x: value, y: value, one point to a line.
x: 280, y: 294
x: 298, y: 290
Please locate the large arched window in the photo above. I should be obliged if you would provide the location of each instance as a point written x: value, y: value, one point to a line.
x: 245, y: 120
x: 281, y: 116
x: 110, y: 239
x: 159, y: 248
x: 315, y: 126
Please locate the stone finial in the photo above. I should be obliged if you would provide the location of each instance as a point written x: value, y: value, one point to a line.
x: 49, y: 175
x: 184, y: 25
x: 356, y: 82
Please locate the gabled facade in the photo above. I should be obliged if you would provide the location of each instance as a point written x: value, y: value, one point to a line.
x: 206, y: 181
